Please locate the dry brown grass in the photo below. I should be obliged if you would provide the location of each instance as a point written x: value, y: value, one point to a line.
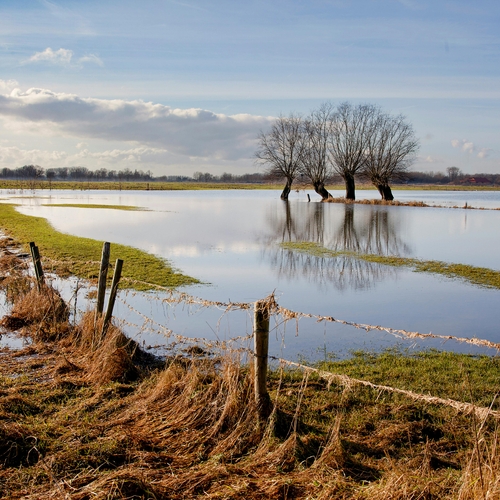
x: 41, y: 314
x: 377, y: 202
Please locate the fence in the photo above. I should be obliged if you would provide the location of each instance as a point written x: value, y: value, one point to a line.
x: 263, y: 310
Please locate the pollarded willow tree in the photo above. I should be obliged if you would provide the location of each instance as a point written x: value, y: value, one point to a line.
x: 351, y: 129
x: 282, y: 149
x: 316, y: 165
x: 392, y: 148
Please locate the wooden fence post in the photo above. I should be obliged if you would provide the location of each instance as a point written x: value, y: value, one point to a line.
x: 103, y: 275
x: 112, y: 296
x: 35, y: 255
x: 261, y: 344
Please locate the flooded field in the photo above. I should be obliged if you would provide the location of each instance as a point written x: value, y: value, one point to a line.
x: 231, y: 241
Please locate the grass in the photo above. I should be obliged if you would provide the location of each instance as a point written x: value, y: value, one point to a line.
x: 131, y: 186
x: 480, y: 276
x: 127, y: 208
x: 463, y: 377
x: 71, y: 255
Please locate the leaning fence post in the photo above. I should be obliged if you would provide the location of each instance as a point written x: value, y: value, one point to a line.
x: 103, y: 275
x: 35, y: 255
x: 112, y: 296
x: 261, y: 344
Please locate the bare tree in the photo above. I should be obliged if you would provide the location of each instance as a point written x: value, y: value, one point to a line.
x: 453, y: 173
x: 315, y: 163
x: 391, y: 150
x: 282, y: 148
x: 351, y: 129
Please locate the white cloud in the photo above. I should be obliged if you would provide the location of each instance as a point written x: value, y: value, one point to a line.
x: 429, y: 159
x: 92, y: 59
x: 63, y: 57
x: 194, y: 133
x: 8, y: 85
x: 469, y: 147
x: 15, y: 157
x: 484, y: 153
x: 60, y: 57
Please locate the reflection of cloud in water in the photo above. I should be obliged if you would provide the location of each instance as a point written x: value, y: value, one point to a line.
x: 235, y: 247
x: 347, y: 228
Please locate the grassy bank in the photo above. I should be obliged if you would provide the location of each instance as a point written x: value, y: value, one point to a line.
x: 480, y: 276
x: 66, y: 254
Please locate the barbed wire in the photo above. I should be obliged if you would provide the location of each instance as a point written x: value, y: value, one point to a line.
x: 172, y: 296
x: 168, y: 333
x: 175, y: 297
x: 480, y: 411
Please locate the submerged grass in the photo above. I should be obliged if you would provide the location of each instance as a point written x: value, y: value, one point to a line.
x: 90, y: 205
x: 480, y: 276
x: 71, y: 255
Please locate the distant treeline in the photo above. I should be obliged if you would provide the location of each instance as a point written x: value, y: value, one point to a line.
x: 453, y: 176
x: 35, y: 172
x: 81, y: 174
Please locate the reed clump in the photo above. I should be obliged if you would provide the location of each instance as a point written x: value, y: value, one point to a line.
x: 374, y: 201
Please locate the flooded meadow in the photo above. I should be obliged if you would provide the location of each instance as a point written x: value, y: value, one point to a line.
x: 233, y: 242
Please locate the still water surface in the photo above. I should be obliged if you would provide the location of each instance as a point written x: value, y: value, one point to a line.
x: 230, y: 241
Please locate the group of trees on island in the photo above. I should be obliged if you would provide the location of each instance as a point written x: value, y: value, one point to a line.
x: 350, y: 141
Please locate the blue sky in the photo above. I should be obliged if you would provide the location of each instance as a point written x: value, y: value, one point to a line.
x: 176, y: 86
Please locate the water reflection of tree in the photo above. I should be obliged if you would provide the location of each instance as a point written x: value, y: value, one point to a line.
x: 358, y: 229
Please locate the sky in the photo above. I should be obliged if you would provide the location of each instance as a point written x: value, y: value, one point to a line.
x: 179, y: 86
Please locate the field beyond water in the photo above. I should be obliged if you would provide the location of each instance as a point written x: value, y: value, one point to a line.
x: 84, y: 416
x: 194, y: 186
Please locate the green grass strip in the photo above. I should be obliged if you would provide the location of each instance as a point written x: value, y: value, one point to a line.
x: 81, y: 256
x: 464, y: 377
x: 481, y: 276
x: 90, y: 205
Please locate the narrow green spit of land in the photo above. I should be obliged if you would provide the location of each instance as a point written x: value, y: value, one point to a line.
x: 70, y: 255
x: 91, y: 205
x: 481, y: 276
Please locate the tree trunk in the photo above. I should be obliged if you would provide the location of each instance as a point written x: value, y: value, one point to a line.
x: 350, y: 188
x: 385, y: 191
x: 286, y: 189
x: 319, y: 187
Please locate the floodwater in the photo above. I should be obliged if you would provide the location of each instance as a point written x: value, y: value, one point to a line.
x: 230, y: 240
